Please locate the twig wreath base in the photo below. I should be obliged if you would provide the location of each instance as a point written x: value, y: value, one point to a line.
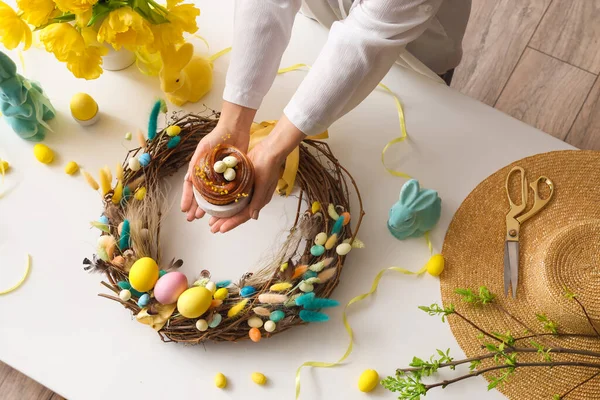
x: 287, y: 291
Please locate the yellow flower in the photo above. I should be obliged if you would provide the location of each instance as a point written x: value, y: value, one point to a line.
x: 125, y: 28
x: 62, y: 40
x: 88, y: 64
x: 75, y: 6
x: 182, y: 18
x: 13, y: 30
x: 82, y: 19
x: 36, y: 12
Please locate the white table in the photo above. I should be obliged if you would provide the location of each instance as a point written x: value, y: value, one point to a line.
x: 56, y: 330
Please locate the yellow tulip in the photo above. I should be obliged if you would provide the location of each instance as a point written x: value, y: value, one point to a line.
x: 182, y: 18
x: 63, y: 40
x: 36, y: 12
x: 75, y: 6
x: 125, y: 28
x: 13, y: 30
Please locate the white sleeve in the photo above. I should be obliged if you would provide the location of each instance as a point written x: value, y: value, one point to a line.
x: 262, y: 30
x: 359, y: 52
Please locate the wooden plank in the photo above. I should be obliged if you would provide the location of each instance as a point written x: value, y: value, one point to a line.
x: 16, y: 386
x: 546, y: 93
x: 57, y: 397
x: 585, y: 132
x: 570, y: 31
x: 497, y: 33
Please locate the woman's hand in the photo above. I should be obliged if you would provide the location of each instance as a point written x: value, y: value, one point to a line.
x: 233, y: 128
x: 268, y: 158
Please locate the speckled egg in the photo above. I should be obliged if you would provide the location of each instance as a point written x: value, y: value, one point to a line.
x: 169, y: 287
x: 143, y: 274
x: 194, y: 302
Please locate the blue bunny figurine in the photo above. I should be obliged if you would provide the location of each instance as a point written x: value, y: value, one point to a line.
x: 23, y: 103
x: 416, y: 213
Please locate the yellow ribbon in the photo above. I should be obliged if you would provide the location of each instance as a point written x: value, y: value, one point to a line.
x: 22, y: 280
x: 403, y: 133
x: 356, y: 299
x: 259, y: 132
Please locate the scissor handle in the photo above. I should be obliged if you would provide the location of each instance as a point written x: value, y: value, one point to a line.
x: 516, y: 209
x: 538, y: 203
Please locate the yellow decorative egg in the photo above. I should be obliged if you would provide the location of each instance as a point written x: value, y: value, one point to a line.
x: 83, y: 107
x: 71, y: 168
x: 259, y: 378
x: 43, y: 153
x: 194, y: 302
x: 143, y: 274
x: 435, y: 265
x: 368, y: 380
x: 221, y: 294
x: 220, y: 381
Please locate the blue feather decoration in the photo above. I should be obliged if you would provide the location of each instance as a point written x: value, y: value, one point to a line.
x: 318, y: 303
x: 153, y: 121
x: 313, y: 316
x: 337, y: 227
x: 124, y: 241
x: 305, y: 299
x: 173, y: 142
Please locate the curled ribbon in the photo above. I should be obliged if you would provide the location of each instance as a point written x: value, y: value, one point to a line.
x: 259, y: 132
x: 22, y: 280
x: 360, y: 297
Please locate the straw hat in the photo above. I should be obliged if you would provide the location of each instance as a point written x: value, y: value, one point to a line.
x: 559, y: 248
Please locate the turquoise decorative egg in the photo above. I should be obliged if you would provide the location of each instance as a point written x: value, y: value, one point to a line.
x: 277, y: 315
x: 317, y: 250
x: 247, y: 291
x: 216, y: 320
x: 144, y: 300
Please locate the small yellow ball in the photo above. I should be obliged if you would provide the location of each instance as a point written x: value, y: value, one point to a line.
x: 220, y: 381
x: 435, y: 265
x: 368, y: 380
x: 83, y: 107
x: 140, y: 193
x: 173, y: 130
x: 259, y: 378
x: 43, y: 153
x: 71, y: 168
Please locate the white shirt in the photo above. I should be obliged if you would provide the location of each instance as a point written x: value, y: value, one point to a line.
x: 360, y: 50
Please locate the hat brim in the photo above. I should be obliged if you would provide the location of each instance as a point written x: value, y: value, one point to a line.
x: 474, y: 254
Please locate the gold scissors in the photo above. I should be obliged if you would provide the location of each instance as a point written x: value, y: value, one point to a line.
x: 514, y: 219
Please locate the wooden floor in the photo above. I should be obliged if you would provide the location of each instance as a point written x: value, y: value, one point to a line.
x: 537, y: 60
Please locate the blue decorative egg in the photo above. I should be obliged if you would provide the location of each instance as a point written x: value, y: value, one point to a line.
x: 144, y: 159
x: 317, y: 250
x: 144, y: 300
x: 103, y: 219
x: 246, y: 291
x: 277, y: 315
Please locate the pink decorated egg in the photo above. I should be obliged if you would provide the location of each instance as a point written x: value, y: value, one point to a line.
x: 169, y: 287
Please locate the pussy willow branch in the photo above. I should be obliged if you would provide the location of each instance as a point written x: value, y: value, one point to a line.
x: 587, y: 315
x: 559, y: 335
x: 516, y: 365
x: 559, y: 350
x: 579, y: 385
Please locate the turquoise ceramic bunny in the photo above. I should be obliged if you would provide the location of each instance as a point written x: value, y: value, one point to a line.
x: 23, y: 103
x: 416, y: 212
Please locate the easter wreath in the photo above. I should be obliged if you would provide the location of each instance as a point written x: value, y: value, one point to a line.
x: 291, y: 289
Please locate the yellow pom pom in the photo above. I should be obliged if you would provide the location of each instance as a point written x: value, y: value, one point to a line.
x: 71, y: 168
x: 368, y: 380
x: 90, y: 180
x: 435, y: 265
x: 259, y: 378
x: 118, y: 193
x: 83, y: 107
x: 316, y: 206
x: 43, y: 153
x: 173, y: 130
x: 220, y: 381
x: 280, y: 287
x: 140, y: 193
x: 4, y: 166
x: 235, y: 310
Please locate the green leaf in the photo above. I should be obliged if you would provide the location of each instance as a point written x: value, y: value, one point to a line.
x: 485, y: 296
x: 556, y: 397
x: 102, y: 227
x: 569, y: 294
x: 549, y: 325
x: 474, y: 364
